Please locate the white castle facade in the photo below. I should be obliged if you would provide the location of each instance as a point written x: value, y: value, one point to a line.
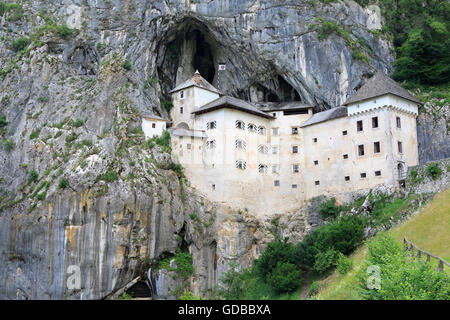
x: 272, y: 158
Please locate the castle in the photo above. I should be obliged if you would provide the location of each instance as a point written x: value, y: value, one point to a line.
x: 271, y: 158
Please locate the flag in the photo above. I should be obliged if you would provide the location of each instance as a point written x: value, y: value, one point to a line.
x: 222, y: 66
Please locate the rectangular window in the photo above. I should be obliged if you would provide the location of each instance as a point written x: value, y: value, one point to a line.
x: 181, y: 110
x: 274, y: 150
x: 188, y: 146
x: 377, y: 173
x: 295, y: 149
x: 211, y: 125
x: 240, y: 125
x: 359, y: 126
x: 347, y: 178
x: 276, y: 183
x: 363, y: 175
x: 314, y: 139
x: 181, y: 94
x: 153, y: 125
x: 375, y: 122
x: 294, y: 130
x: 262, y: 168
x: 317, y: 182
x: 400, y: 147
x: 376, y: 147
x: 214, y: 187
x: 275, y: 131
x: 316, y: 162
x: 275, y: 168
x: 345, y: 156
x: 294, y: 186
x: 295, y: 168
x: 361, y: 150
x: 274, y: 114
x: 399, y: 123
x: 240, y: 164
x: 344, y: 133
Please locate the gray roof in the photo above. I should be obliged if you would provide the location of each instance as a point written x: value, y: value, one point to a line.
x: 330, y: 114
x: 181, y: 132
x: 191, y: 83
x: 380, y: 84
x: 234, y: 103
x: 281, y: 106
x: 148, y: 115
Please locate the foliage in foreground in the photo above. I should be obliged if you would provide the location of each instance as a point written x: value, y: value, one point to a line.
x: 402, y: 277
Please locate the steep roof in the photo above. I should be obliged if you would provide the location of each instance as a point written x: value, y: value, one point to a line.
x: 283, y: 106
x: 191, y: 83
x: 380, y: 84
x: 233, y: 103
x: 154, y: 117
x: 326, y: 115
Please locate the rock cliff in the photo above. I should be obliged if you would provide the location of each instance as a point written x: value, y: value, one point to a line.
x: 78, y: 183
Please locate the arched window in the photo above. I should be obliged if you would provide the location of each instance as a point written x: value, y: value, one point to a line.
x: 240, y: 124
x: 241, y: 164
x: 263, y: 149
x: 240, y: 144
x: 262, y: 130
x: 262, y: 168
x: 211, y: 125
x: 211, y: 144
x: 251, y: 127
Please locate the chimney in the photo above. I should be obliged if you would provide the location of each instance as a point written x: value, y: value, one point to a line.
x: 197, y: 77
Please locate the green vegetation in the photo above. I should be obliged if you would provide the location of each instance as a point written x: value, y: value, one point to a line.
x: 8, y: 144
x: 166, y: 104
x: 20, y: 43
x: 14, y: 11
x: 188, y: 295
x: 33, y: 176
x: 329, y: 209
x: 110, y: 176
x: 125, y: 296
x: 63, y: 183
x: 127, y: 65
x: 403, y: 277
x: 343, y: 264
x: 163, y: 141
x: 35, y: 133
x: 433, y: 171
x: 184, y: 267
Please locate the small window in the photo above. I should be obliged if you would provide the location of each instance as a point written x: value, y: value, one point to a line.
x: 240, y: 124
x: 377, y: 173
x: 262, y: 168
x: 359, y: 126
x: 274, y: 114
x: 274, y: 168
x: 376, y: 147
x: 241, y: 164
x: 344, y: 133
x: 211, y: 125
x: 262, y: 130
x: 276, y: 183
x: 295, y: 168
x: 361, y: 150
x: 347, y: 178
x: 375, y: 122
x: 400, y: 146
x: 295, y: 149
x: 251, y: 127
x: 213, y: 187
x: 181, y: 94
x: 316, y: 162
x: 274, y: 150
x: 153, y: 125
x: 363, y: 175
x: 317, y: 182
x: 188, y: 146
x: 294, y: 186
x: 240, y: 144
x: 345, y: 156
x: 399, y: 123
x: 263, y: 149
x: 275, y: 131
x: 294, y: 130
x: 181, y: 110
x: 314, y: 139
x: 210, y: 144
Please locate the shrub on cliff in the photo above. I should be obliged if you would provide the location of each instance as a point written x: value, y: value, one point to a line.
x: 285, y: 277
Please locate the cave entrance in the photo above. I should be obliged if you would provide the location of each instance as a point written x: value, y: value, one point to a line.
x: 203, y: 58
x: 140, y: 290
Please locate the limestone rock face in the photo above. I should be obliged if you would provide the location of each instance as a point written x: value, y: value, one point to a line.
x: 79, y: 186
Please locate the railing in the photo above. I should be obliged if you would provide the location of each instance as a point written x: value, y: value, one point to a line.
x: 411, y: 246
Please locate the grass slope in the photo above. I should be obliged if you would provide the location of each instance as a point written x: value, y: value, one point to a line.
x: 428, y: 230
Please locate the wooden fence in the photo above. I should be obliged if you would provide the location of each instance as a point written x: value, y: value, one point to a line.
x: 411, y: 247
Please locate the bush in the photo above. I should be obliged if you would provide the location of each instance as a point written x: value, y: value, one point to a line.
x: 33, y: 176
x: 163, y: 141
x: 326, y: 260
x: 313, y: 288
x: 277, y: 251
x: 35, y: 133
x: 64, y: 31
x: 188, y: 295
x: 8, y: 144
x: 402, y: 277
x: 3, y: 122
x: 285, y: 277
x: 329, y: 209
x: 20, y: 44
x: 433, y: 171
x: 127, y: 65
x: 343, y: 264
x: 304, y: 252
x: 63, y: 183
